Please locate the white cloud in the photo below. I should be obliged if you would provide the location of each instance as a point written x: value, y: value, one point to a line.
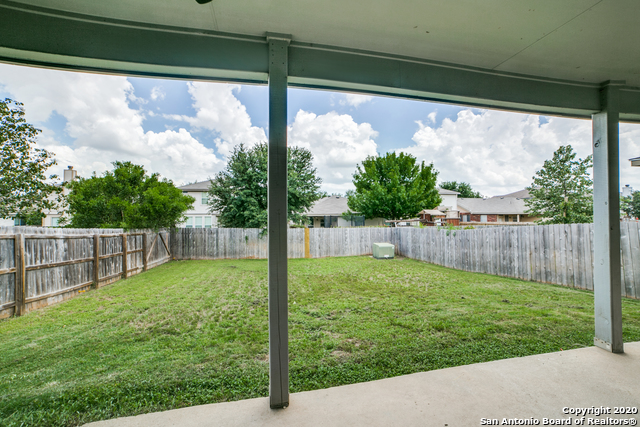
x: 157, y: 92
x: 103, y: 125
x: 496, y: 152
x: 219, y: 110
x: 355, y: 100
x: 337, y: 143
x: 432, y: 116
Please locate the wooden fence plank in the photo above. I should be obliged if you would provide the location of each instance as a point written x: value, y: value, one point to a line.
x: 144, y: 252
x: 20, y: 275
x: 634, y: 242
x: 627, y: 276
x: 588, y: 231
x: 124, y: 256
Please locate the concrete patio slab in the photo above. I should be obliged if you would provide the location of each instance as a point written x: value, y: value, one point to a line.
x: 528, y: 388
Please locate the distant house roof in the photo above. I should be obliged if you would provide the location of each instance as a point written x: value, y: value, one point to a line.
x: 332, y: 205
x: 197, y: 186
x: 499, y: 205
x: 432, y: 212
x: 522, y: 194
x: 444, y: 192
x: 335, y: 205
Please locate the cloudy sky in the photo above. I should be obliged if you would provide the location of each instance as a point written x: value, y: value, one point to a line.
x: 185, y: 130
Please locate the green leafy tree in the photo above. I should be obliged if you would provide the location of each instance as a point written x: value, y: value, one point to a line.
x: 631, y: 205
x: 562, y: 192
x: 24, y: 190
x: 126, y: 198
x: 463, y: 188
x: 239, y: 193
x: 393, y: 186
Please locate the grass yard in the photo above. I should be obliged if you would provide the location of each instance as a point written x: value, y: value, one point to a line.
x: 195, y: 332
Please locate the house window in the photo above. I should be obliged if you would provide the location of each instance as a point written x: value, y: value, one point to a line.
x: 19, y: 221
x: 189, y: 223
x: 205, y: 198
x: 198, y: 222
x: 321, y: 222
x: 483, y: 218
x: 207, y: 222
x: 54, y: 221
x: 310, y: 222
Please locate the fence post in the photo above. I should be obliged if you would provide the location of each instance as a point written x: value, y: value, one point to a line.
x: 144, y: 251
x: 124, y: 255
x: 96, y: 259
x: 307, y: 248
x: 20, y: 306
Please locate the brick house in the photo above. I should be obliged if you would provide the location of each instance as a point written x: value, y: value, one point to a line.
x: 508, y: 208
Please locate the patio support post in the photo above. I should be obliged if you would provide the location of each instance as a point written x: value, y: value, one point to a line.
x: 277, y: 222
x: 606, y: 218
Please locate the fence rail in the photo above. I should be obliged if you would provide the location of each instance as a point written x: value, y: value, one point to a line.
x: 559, y: 254
x: 39, y: 267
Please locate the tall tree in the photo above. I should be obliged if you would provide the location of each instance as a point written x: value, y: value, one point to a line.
x: 631, y: 205
x: 24, y: 190
x: 239, y: 193
x: 562, y: 192
x: 464, y: 188
x: 393, y: 186
x: 126, y: 198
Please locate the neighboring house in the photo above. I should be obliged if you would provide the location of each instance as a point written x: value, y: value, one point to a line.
x: 327, y: 213
x: 431, y: 217
x: 627, y: 191
x: 199, y: 216
x: 51, y: 217
x: 508, y: 208
x: 449, y: 200
x: 447, y: 213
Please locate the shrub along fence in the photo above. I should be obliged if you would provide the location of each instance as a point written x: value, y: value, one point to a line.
x: 40, y: 266
x: 559, y: 254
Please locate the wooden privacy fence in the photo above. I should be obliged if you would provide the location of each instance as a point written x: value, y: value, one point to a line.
x: 559, y: 254
x: 219, y: 243
x: 39, y: 267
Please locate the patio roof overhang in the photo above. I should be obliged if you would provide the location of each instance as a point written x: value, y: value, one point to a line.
x: 575, y: 58
x: 544, y: 57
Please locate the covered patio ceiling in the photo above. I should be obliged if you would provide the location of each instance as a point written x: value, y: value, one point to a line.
x: 543, y: 56
x: 577, y: 58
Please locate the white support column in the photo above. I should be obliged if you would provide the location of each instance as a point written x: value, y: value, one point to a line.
x: 277, y: 223
x: 606, y: 218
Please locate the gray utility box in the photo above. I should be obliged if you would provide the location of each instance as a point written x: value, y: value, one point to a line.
x: 383, y: 250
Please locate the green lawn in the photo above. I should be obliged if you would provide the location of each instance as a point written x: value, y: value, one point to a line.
x: 195, y: 332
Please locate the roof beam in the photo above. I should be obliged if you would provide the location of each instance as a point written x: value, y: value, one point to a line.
x: 37, y: 36
x: 42, y: 37
x: 325, y: 67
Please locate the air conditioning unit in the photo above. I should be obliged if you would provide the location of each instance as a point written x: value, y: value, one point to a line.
x: 383, y: 250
